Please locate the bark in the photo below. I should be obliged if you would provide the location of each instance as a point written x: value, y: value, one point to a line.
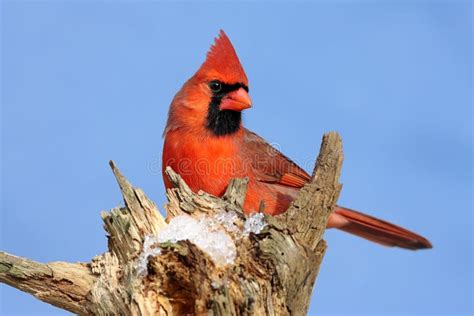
x: 274, y: 272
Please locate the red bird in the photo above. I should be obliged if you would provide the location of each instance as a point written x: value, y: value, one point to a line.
x: 207, y: 145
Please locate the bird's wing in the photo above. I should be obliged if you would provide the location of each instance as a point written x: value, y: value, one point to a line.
x: 269, y: 164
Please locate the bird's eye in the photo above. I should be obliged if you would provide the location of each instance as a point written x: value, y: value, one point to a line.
x: 215, y: 86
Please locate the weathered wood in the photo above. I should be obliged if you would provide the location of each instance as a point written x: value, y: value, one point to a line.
x: 303, y: 217
x: 62, y: 284
x: 274, y: 272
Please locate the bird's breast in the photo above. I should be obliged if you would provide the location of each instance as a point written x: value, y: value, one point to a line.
x: 205, y: 163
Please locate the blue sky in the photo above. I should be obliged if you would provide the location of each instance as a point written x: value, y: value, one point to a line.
x: 85, y: 82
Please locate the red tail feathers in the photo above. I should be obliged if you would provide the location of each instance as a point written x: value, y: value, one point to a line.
x: 377, y: 230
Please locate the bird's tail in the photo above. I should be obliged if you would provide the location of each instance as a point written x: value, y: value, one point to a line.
x: 376, y: 230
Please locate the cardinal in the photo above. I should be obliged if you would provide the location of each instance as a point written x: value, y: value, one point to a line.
x: 205, y: 142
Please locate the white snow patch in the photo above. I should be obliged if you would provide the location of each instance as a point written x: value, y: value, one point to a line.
x: 208, y: 233
x: 148, y: 251
x: 211, y: 234
x: 205, y: 234
x: 255, y: 223
x: 227, y: 220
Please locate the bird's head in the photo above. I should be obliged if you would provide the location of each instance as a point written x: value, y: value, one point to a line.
x: 215, y: 96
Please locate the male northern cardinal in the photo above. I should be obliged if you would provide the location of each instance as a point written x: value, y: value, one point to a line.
x: 207, y: 145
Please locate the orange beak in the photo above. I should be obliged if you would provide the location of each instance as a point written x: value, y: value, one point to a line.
x: 237, y: 100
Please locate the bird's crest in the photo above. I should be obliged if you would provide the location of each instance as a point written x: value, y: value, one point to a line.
x: 222, y: 63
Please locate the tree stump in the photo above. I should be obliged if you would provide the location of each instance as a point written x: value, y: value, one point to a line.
x: 273, y: 272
